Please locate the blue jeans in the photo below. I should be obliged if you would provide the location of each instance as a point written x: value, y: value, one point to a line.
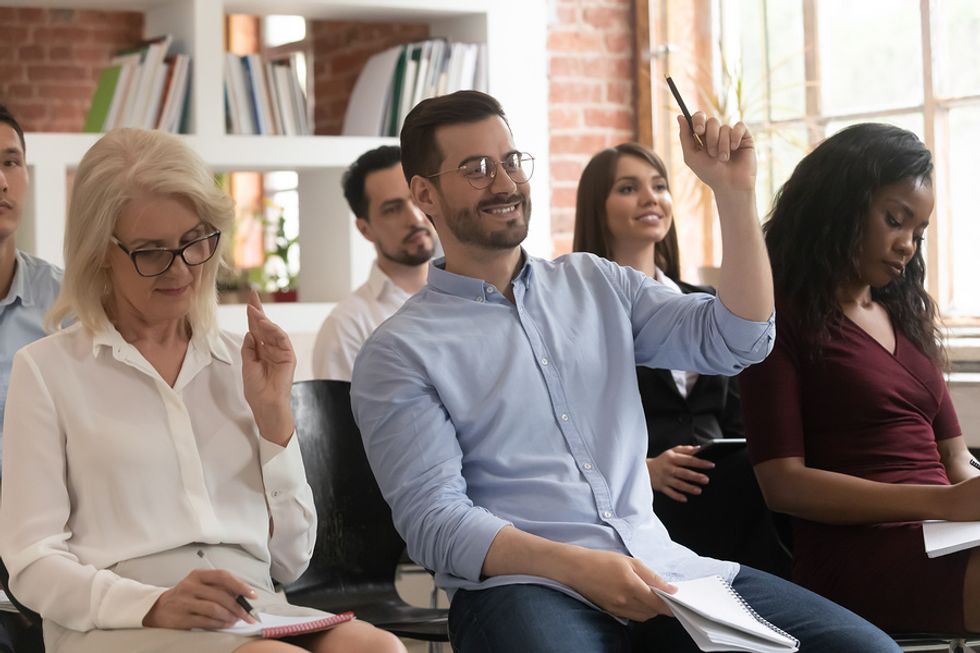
x: 537, y: 619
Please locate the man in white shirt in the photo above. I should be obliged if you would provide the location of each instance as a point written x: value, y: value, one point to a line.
x: 379, y: 197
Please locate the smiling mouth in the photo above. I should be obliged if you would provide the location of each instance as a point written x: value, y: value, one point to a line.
x: 897, y: 268
x: 508, y: 210
x: 649, y: 218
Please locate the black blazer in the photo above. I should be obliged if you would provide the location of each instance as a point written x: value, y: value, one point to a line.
x: 710, y: 410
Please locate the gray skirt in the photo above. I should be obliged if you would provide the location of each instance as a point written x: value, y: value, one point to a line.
x: 166, y: 569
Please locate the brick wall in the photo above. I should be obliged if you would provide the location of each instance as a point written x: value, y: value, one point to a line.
x: 340, y: 51
x: 50, y: 61
x: 590, y: 45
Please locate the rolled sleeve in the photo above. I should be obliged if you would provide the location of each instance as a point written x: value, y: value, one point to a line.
x: 751, y: 341
x: 412, y: 448
x: 291, y: 507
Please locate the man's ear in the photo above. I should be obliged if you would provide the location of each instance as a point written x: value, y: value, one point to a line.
x: 364, y: 226
x: 424, y: 195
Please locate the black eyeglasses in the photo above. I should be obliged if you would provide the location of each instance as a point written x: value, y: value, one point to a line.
x: 480, y: 171
x: 155, y: 261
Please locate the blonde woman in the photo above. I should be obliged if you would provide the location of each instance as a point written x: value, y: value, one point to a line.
x: 143, y: 434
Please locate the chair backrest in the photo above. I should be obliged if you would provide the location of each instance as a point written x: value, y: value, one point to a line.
x: 356, y: 544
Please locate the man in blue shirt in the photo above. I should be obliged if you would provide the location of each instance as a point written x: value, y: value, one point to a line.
x: 501, y: 416
x: 28, y: 285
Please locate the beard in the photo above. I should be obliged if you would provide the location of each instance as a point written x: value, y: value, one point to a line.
x: 468, y: 228
x: 411, y: 255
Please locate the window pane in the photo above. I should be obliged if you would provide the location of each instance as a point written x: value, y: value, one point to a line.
x: 779, y: 150
x: 963, y: 172
x: 770, y: 81
x: 280, y: 30
x: 870, y: 54
x: 956, y: 32
x: 914, y: 122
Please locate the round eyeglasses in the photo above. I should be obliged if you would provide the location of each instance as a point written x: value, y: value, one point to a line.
x: 480, y: 171
x: 155, y: 261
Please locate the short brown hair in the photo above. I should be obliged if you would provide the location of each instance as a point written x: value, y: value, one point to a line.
x: 594, y: 186
x: 420, y: 152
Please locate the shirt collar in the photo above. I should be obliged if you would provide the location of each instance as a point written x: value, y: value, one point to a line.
x: 208, y: 342
x: 471, y: 287
x: 18, y: 285
x: 378, y: 281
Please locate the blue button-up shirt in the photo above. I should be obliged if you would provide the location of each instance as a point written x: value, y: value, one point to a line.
x: 34, y: 288
x: 477, y: 412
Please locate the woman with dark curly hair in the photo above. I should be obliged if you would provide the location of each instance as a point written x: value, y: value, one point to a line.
x: 850, y: 425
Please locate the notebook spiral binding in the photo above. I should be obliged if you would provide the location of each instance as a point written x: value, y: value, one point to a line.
x: 755, y: 615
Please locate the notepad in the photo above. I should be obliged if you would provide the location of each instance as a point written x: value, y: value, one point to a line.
x: 945, y: 537
x: 718, y: 619
x: 275, y: 625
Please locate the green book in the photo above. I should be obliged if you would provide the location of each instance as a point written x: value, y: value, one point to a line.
x: 102, y: 100
x: 394, y: 104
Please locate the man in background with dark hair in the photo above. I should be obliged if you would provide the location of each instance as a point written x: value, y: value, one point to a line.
x: 28, y: 288
x: 378, y: 195
x: 501, y: 416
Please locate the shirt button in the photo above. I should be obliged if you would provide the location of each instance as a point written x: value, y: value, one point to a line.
x: 479, y: 299
x: 544, y: 361
x: 275, y: 493
x: 587, y: 466
x: 607, y: 514
x: 564, y: 417
x: 491, y: 289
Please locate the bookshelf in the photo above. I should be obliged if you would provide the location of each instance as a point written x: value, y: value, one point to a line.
x: 334, y: 259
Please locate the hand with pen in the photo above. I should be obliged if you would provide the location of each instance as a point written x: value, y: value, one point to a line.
x: 205, y: 598
x: 268, y: 363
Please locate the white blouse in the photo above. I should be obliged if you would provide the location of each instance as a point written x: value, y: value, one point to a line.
x: 104, y: 462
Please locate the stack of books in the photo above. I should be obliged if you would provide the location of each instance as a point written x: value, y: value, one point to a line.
x: 394, y: 81
x: 264, y: 97
x: 143, y: 87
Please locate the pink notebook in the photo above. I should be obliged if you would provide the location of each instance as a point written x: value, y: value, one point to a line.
x: 275, y: 626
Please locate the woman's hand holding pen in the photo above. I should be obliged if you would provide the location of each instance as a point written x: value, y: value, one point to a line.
x: 205, y: 598
x: 727, y: 163
x: 268, y: 363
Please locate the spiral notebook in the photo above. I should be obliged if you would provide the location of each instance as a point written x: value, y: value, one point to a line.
x: 275, y: 626
x: 718, y: 619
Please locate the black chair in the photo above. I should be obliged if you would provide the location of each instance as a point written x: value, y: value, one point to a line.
x: 938, y: 642
x: 24, y: 626
x: 357, y: 548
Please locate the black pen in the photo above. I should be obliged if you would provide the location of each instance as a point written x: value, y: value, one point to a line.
x: 973, y: 461
x: 687, y: 114
x: 240, y: 600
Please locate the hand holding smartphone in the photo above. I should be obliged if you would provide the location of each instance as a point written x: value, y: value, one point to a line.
x: 718, y: 449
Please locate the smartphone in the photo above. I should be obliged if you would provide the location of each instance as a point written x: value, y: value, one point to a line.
x: 716, y: 449
x: 687, y: 114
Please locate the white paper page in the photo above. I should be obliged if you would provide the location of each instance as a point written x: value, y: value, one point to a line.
x: 945, y: 537
x: 241, y: 627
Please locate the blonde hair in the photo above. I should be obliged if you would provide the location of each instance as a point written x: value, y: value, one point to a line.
x: 124, y: 165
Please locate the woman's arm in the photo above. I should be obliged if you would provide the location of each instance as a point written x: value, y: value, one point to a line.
x: 956, y: 459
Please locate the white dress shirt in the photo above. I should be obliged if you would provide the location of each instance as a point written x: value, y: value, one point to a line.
x: 351, y: 322
x: 106, y: 462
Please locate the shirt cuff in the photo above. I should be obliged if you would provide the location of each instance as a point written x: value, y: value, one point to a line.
x: 474, y: 543
x: 751, y: 339
x: 126, y: 603
x: 282, y: 467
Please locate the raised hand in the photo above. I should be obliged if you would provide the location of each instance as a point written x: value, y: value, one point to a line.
x: 205, y: 598
x: 268, y: 363
x: 728, y: 160
x: 674, y: 472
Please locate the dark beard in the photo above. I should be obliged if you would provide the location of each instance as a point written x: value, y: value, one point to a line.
x: 467, y: 227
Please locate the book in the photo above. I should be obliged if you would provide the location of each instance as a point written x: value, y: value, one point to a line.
x: 945, y: 537
x: 718, y: 619
x: 102, y: 100
x: 274, y: 626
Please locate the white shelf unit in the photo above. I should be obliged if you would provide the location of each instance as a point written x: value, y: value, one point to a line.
x: 334, y: 258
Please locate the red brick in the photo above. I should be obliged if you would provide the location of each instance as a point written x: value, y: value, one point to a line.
x: 48, y: 72
x: 32, y: 53
x: 619, y: 92
x: 563, y: 220
x: 24, y: 91
x: 563, y: 117
x: 62, y: 34
x: 574, y: 41
x: 12, y: 73
x: 576, y: 92
x: 561, y: 243
x: 64, y: 92
x: 610, y: 18
x: 98, y: 55
x: 600, y: 66
x: 59, y: 53
x: 619, y: 43
x: 29, y: 15
x: 15, y: 34
x: 613, y: 118
x: 583, y: 143
x: 566, y: 171
x: 563, y: 196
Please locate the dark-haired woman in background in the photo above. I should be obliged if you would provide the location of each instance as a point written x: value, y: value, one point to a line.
x: 850, y: 425
x: 624, y: 213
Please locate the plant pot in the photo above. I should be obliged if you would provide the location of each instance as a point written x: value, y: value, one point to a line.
x: 285, y: 296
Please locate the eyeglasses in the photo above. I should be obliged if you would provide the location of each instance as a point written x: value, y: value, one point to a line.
x: 155, y: 261
x: 480, y: 171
